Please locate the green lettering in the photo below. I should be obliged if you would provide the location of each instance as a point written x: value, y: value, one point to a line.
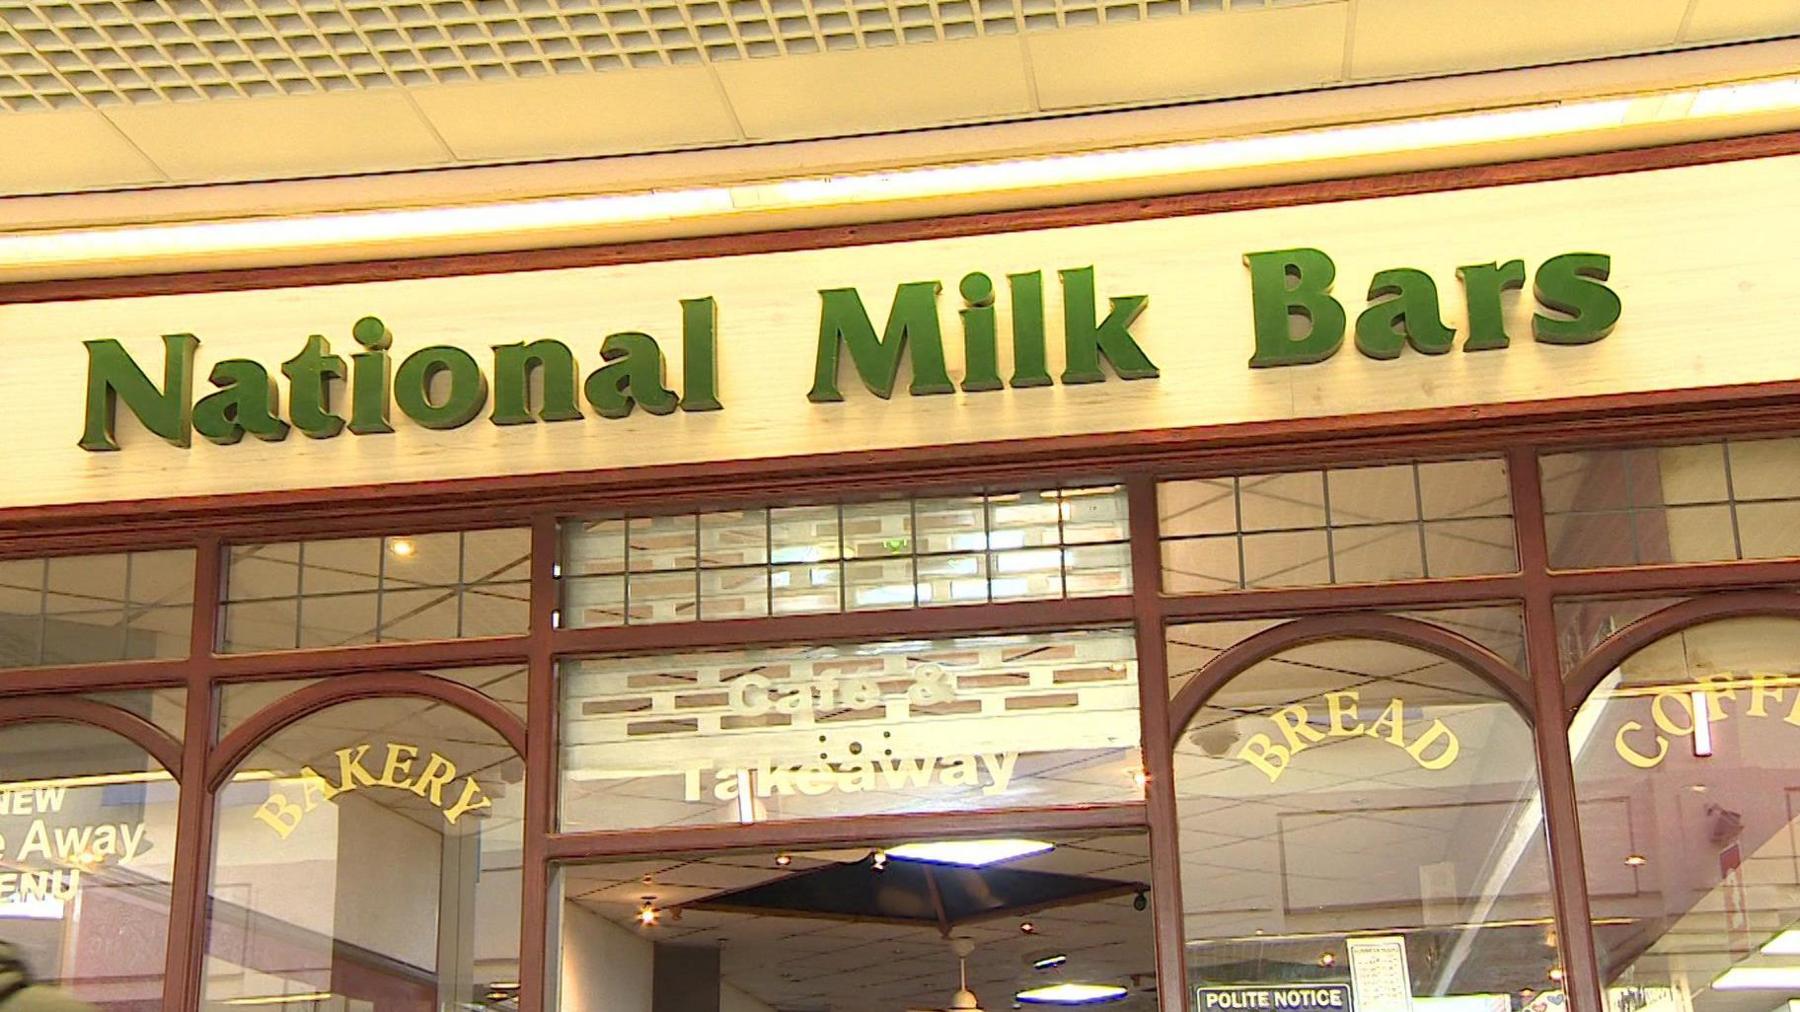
x: 633, y: 374
x: 515, y: 364
x: 309, y: 388
x: 1030, y: 365
x: 843, y: 322
x: 247, y: 401
x: 699, y: 355
x: 981, y: 354
x: 114, y: 377
x: 371, y: 373
x: 1483, y: 287
x: 1288, y: 285
x: 1572, y: 285
x: 1406, y: 314
x: 464, y: 399
x: 1086, y: 342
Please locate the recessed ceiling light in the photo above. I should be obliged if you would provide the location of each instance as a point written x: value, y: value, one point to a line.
x: 970, y: 853
x: 1636, y: 860
x: 1785, y: 944
x: 402, y: 547
x: 1758, y: 978
x: 1049, y: 962
x: 1071, y: 994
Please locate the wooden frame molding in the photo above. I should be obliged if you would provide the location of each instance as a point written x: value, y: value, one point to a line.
x: 106, y: 717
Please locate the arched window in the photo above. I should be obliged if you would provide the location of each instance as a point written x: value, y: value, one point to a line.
x: 87, y: 851
x: 1687, y: 769
x: 1362, y: 817
x: 367, y: 857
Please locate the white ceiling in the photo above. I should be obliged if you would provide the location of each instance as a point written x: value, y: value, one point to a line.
x: 126, y: 93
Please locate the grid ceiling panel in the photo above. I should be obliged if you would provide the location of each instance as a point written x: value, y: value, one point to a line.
x: 100, y: 53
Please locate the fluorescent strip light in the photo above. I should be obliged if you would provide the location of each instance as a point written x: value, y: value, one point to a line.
x: 1703, y: 744
x: 281, y: 999
x: 969, y: 853
x: 1071, y: 994
x: 1785, y: 944
x: 1758, y: 978
x: 117, y: 247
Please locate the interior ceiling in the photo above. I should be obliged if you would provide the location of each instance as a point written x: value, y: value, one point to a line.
x: 121, y: 93
x: 833, y: 965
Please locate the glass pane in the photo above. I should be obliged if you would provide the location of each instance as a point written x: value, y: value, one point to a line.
x: 1769, y: 530
x: 593, y: 547
x: 425, y: 560
x: 262, y: 625
x: 89, y: 822
x: 262, y: 571
x: 338, y: 620
x: 1590, y: 540
x: 799, y: 590
x: 165, y: 708
x: 21, y: 611
x: 1765, y: 468
x: 663, y: 597
x: 952, y: 579
x: 663, y: 543
x: 1289, y: 559
x: 1465, y: 488
x: 1358, y: 799
x: 734, y: 593
x: 1092, y: 515
x: 876, y: 530
x: 1372, y: 495
x: 502, y: 554
x: 418, y: 615
x: 1095, y: 570
x: 855, y: 928
x: 1272, y: 502
x: 804, y: 534
x: 1030, y: 574
x: 1198, y: 565
x: 1024, y: 520
x: 736, y: 538
x: 872, y: 584
x: 781, y: 733
x: 1377, y: 553
x: 161, y: 578
x: 1470, y: 547
x: 1686, y: 766
x: 332, y: 567
x: 951, y: 525
x: 593, y: 601
x: 499, y: 609
x: 366, y: 857
x: 1186, y: 508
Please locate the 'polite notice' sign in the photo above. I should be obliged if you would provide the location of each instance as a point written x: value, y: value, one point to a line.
x: 1276, y: 998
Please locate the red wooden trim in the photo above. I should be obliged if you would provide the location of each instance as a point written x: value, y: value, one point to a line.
x: 541, y: 776
x: 94, y: 677
x: 1593, y: 669
x: 1157, y: 744
x: 1245, y: 654
x: 853, y: 830
x: 1020, y: 616
x: 76, y: 710
x: 830, y: 237
x: 1550, y: 739
x: 1259, y: 446
x: 1294, y: 601
x: 1689, y: 578
x: 186, y: 953
x: 235, y: 747
x: 472, y: 651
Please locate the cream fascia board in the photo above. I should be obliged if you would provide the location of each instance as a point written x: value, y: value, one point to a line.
x: 1535, y: 130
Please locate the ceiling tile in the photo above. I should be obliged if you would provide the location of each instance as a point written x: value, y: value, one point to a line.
x: 1718, y: 20
x: 1399, y: 38
x: 302, y: 134
x: 1245, y: 52
x: 579, y: 114
x: 75, y: 149
x: 871, y: 90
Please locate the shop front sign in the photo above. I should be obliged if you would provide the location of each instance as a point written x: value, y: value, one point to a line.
x: 286, y: 807
x: 1676, y: 711
x: 46, y: 854
x: 1300, y: 726
x: 1458, y: 302
x: 445, y: 387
